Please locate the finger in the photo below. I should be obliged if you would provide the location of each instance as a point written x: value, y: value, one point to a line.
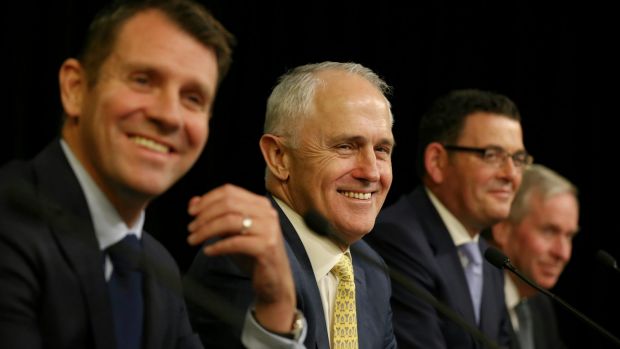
x: 223, y: 225
x: 260, y: 247
x: 225, y: 197
x: 226, y: 201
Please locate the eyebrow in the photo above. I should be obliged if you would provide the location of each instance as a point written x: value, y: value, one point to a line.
x: 160, y: 72
x: 361, y: 139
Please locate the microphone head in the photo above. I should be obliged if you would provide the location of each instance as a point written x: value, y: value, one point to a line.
x: 496, y: 257
x: 317, y: 223
x: 607, y: 259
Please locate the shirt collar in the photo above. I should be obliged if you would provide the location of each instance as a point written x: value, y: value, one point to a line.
x: 109, y: 226
x: 322, y: 252
x: 457, y: 231
x: 512, y: 294
x: 512, y: 299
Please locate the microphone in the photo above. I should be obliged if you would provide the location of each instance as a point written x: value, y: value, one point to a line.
x: 321, y: 226
x: 501, y: 261
x: 605, y: 258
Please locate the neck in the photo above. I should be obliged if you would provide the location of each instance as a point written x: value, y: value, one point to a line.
x: 129, y: 204
x: 525, y: 290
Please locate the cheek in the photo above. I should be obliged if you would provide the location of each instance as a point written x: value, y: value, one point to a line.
x: 517, y: 180
x: 330, y: 170
x: 386, y: 174
x: 533, y: 246
x: 486, y: 178
x: 197, y: 129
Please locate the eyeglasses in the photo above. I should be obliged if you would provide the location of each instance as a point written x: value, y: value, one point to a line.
x: 496, y: 156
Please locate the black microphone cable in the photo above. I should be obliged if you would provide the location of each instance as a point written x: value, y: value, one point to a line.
x: 501, y: 261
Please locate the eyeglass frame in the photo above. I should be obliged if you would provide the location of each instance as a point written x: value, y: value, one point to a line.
x: 501, y: 154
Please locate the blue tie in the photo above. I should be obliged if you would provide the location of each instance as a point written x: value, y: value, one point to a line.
x: 473, y: 273
x: 125, y: 289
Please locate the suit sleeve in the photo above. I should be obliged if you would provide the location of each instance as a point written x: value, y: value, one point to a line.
x: 19, y: 289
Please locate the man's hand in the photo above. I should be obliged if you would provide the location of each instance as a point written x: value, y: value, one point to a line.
x: 248, y: 227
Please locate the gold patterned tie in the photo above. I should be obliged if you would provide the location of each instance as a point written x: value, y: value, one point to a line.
x: 344, y: 323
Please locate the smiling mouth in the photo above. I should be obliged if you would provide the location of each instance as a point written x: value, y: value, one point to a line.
x: 356, y: 195
x: 150, y: 144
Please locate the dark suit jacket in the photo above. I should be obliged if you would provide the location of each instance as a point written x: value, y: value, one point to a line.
x: 412, y: 239
x: 544, y: 323
x: 53, y: 290
x: 233, y: 286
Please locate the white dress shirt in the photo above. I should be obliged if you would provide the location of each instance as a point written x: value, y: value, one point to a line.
x: 323, y: 254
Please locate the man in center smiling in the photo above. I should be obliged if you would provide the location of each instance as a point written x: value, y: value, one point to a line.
x: 327, y: 144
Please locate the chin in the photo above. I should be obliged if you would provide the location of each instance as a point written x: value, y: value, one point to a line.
x: 354, y: 233
x: 152, y: 187
x: 499, y: 215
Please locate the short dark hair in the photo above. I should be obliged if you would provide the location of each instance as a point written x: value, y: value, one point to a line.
x: 445, y: 119
x: 190, y: 16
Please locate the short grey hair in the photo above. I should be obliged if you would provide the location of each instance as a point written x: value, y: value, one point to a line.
x: 542, y: 181
x: 291, y: 100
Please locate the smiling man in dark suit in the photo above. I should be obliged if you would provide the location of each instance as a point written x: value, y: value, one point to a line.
x: 76, y: 269
x: 327, y: 144
x: 470, y: 161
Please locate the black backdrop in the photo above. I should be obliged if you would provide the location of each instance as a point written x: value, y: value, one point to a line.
x: 555, y: 62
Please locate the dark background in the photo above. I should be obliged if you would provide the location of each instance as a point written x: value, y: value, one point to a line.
x: 555, y: 62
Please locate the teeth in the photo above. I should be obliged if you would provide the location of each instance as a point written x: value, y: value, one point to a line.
x: 360, y: 196
x: 150, y: 144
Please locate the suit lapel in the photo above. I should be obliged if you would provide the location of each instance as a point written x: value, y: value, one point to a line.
x: 308, y: 295
x: 63, y: 204
x: 446, y: 255
x: 361, y: 302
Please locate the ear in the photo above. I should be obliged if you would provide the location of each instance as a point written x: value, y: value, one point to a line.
x: 73, y: 85
x: 275, y: 157
x: 435, y: 161
x: 501, y: 232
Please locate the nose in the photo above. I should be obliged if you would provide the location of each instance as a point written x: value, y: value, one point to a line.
x: 562, y: 248
x: 508, y: 170
x: 166, y: 110
x: 366, y: 167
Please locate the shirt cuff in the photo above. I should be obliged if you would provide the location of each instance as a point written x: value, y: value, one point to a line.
x: 256, y: 336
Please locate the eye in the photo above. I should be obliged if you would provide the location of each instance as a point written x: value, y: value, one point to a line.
x: 520, y: 158
x: 345, y: 146
x: 194, y: 101
x: 384, y: 150
x: 141, y: 79
x: 492, y: 154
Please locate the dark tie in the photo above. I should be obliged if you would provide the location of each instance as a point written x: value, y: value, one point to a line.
x: 525, y: 334
x: 125, y: 288
x: 473, y: 273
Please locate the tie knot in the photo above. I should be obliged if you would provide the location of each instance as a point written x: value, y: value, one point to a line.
x: 344, y: 269
x: 522, y: 309
x: 472, y: 252
x: 126, y: 254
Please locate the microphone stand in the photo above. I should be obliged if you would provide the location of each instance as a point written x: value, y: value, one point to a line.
x: 498, y: 259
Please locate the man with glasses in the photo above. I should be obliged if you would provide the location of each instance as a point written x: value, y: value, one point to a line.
x: 470, y: 161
